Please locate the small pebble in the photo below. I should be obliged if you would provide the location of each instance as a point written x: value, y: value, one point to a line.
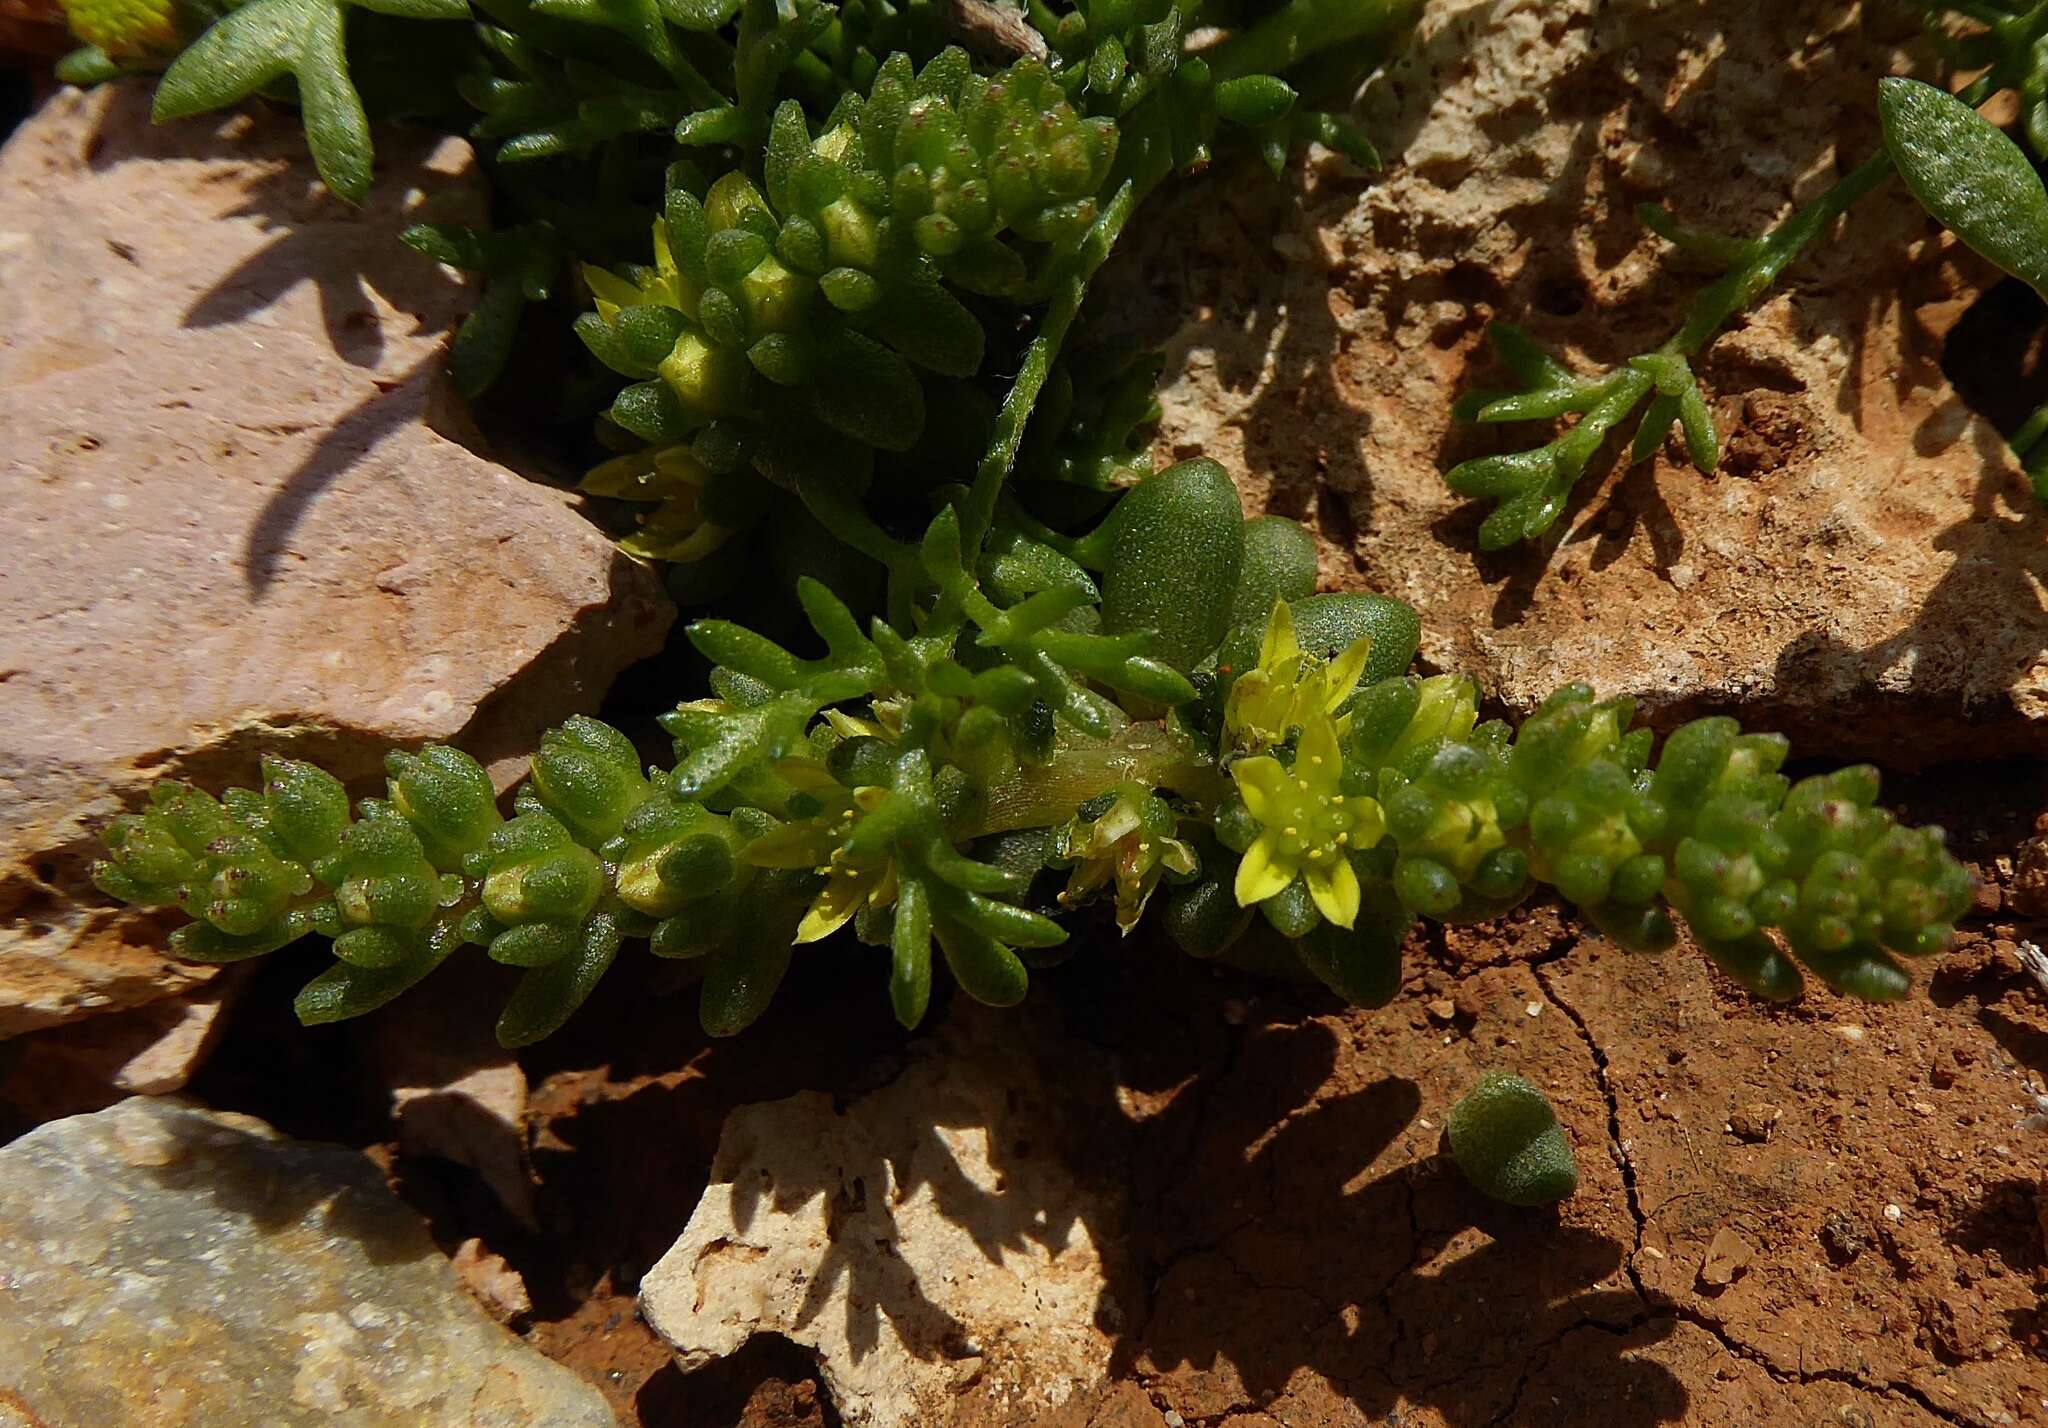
x: 1894, y: 1213
x: 1534, y: 1009
x: 1753, y: 1122
x: 1727, y: 1257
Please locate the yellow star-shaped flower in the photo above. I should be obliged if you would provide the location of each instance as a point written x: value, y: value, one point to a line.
x: 817, y: 842
x: 1287, y: 688
x: 1308, y: 825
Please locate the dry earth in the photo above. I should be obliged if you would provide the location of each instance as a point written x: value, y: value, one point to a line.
x: 1864, y: 512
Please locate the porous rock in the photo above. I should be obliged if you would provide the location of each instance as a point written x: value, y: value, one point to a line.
x: 928, y: 1241
x: 168, y: 1265
x: 90, y: 1064
x: 1863, y: 569
x: 241, y: 514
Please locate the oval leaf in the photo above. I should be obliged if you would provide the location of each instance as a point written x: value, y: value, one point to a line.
x: 1969, y: 175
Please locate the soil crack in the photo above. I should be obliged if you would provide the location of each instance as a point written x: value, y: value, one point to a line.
x: 1659, y: 1306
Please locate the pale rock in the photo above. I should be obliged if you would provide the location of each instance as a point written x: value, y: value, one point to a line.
x: 927, y: 1241
x: 455, y: 1093
x: 493, y: 1282
x: 1754, y: 1122
x: 170, y: 1266
x: 145, y: 1051
x: 224, y: 429
x: 1727, y: 1257
x: 1863, y: 572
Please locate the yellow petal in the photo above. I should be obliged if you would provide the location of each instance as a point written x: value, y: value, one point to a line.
x: 810, y: 776
x: 848, y: 727
x: 1334, y: 888
x: 885, y: 888
x: 1260, y: 783
x: 1262, y: 874
x: 1178, y: 857
x: 1318, y: 758
x: 1368, y: 821
x: 609, y: 289
x: 650, y: 544
x: 794, y: 845
x: 1259, y: 706
x: 1342, y: 675
x: 1279, y: 644
x: 622, y: 477
x: 838, y: 902
x: 1131, y: 896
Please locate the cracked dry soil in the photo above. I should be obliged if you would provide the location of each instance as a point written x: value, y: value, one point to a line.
x: 1287, y: 1245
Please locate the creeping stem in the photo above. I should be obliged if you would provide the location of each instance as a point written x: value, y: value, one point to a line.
x: 980, y: 506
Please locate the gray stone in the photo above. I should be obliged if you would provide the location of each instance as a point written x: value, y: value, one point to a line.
x: 243, y: 514
x: 166, y: 1265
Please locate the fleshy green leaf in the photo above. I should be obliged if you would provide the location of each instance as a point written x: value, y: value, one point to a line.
x: 1968, y: 175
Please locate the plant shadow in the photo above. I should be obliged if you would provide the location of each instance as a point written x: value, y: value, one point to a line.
x: 1255, y: 1219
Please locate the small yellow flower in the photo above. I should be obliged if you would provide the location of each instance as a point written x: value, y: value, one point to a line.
x: 1132, y: 842
x: 125, y: 29
x: 1308, y: 827
x: 1287, y: 688
x: 676, y: 529
x: 664, y: 286
x: 817, y: 842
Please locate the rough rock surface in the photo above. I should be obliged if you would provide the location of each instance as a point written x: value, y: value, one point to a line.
x: 1864, y: 570
x: 929, y: 1241
x: 86, y: 1065
x: 166, y: 1265
x: 238, y: 522
x: 455, y: 1093
x: 33, y: 34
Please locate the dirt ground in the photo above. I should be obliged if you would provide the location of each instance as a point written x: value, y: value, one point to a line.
x: 1825, y: 1214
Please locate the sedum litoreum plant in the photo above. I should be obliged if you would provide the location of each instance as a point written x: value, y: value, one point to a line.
x: 946, y: 793
x: 1985, y: 189
x: 825, y: 264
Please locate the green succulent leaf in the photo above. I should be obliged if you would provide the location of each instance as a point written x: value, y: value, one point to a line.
x: 1506, y: 1139
x: 1969, y: 175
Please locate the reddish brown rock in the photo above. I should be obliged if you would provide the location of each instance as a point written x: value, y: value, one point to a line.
x: 242, y: 514
x: 455, y: 1093
x: 89, y: 1064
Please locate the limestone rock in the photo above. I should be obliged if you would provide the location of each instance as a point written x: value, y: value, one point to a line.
x: 87, y: 1065
x: 455, y: 1093
x: 491, y: 1281
x: 1727, y: 1256
x: 926, y: 1241
x: 1864, y: 569
x: 237, y: 519
x: 170, y: 1266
